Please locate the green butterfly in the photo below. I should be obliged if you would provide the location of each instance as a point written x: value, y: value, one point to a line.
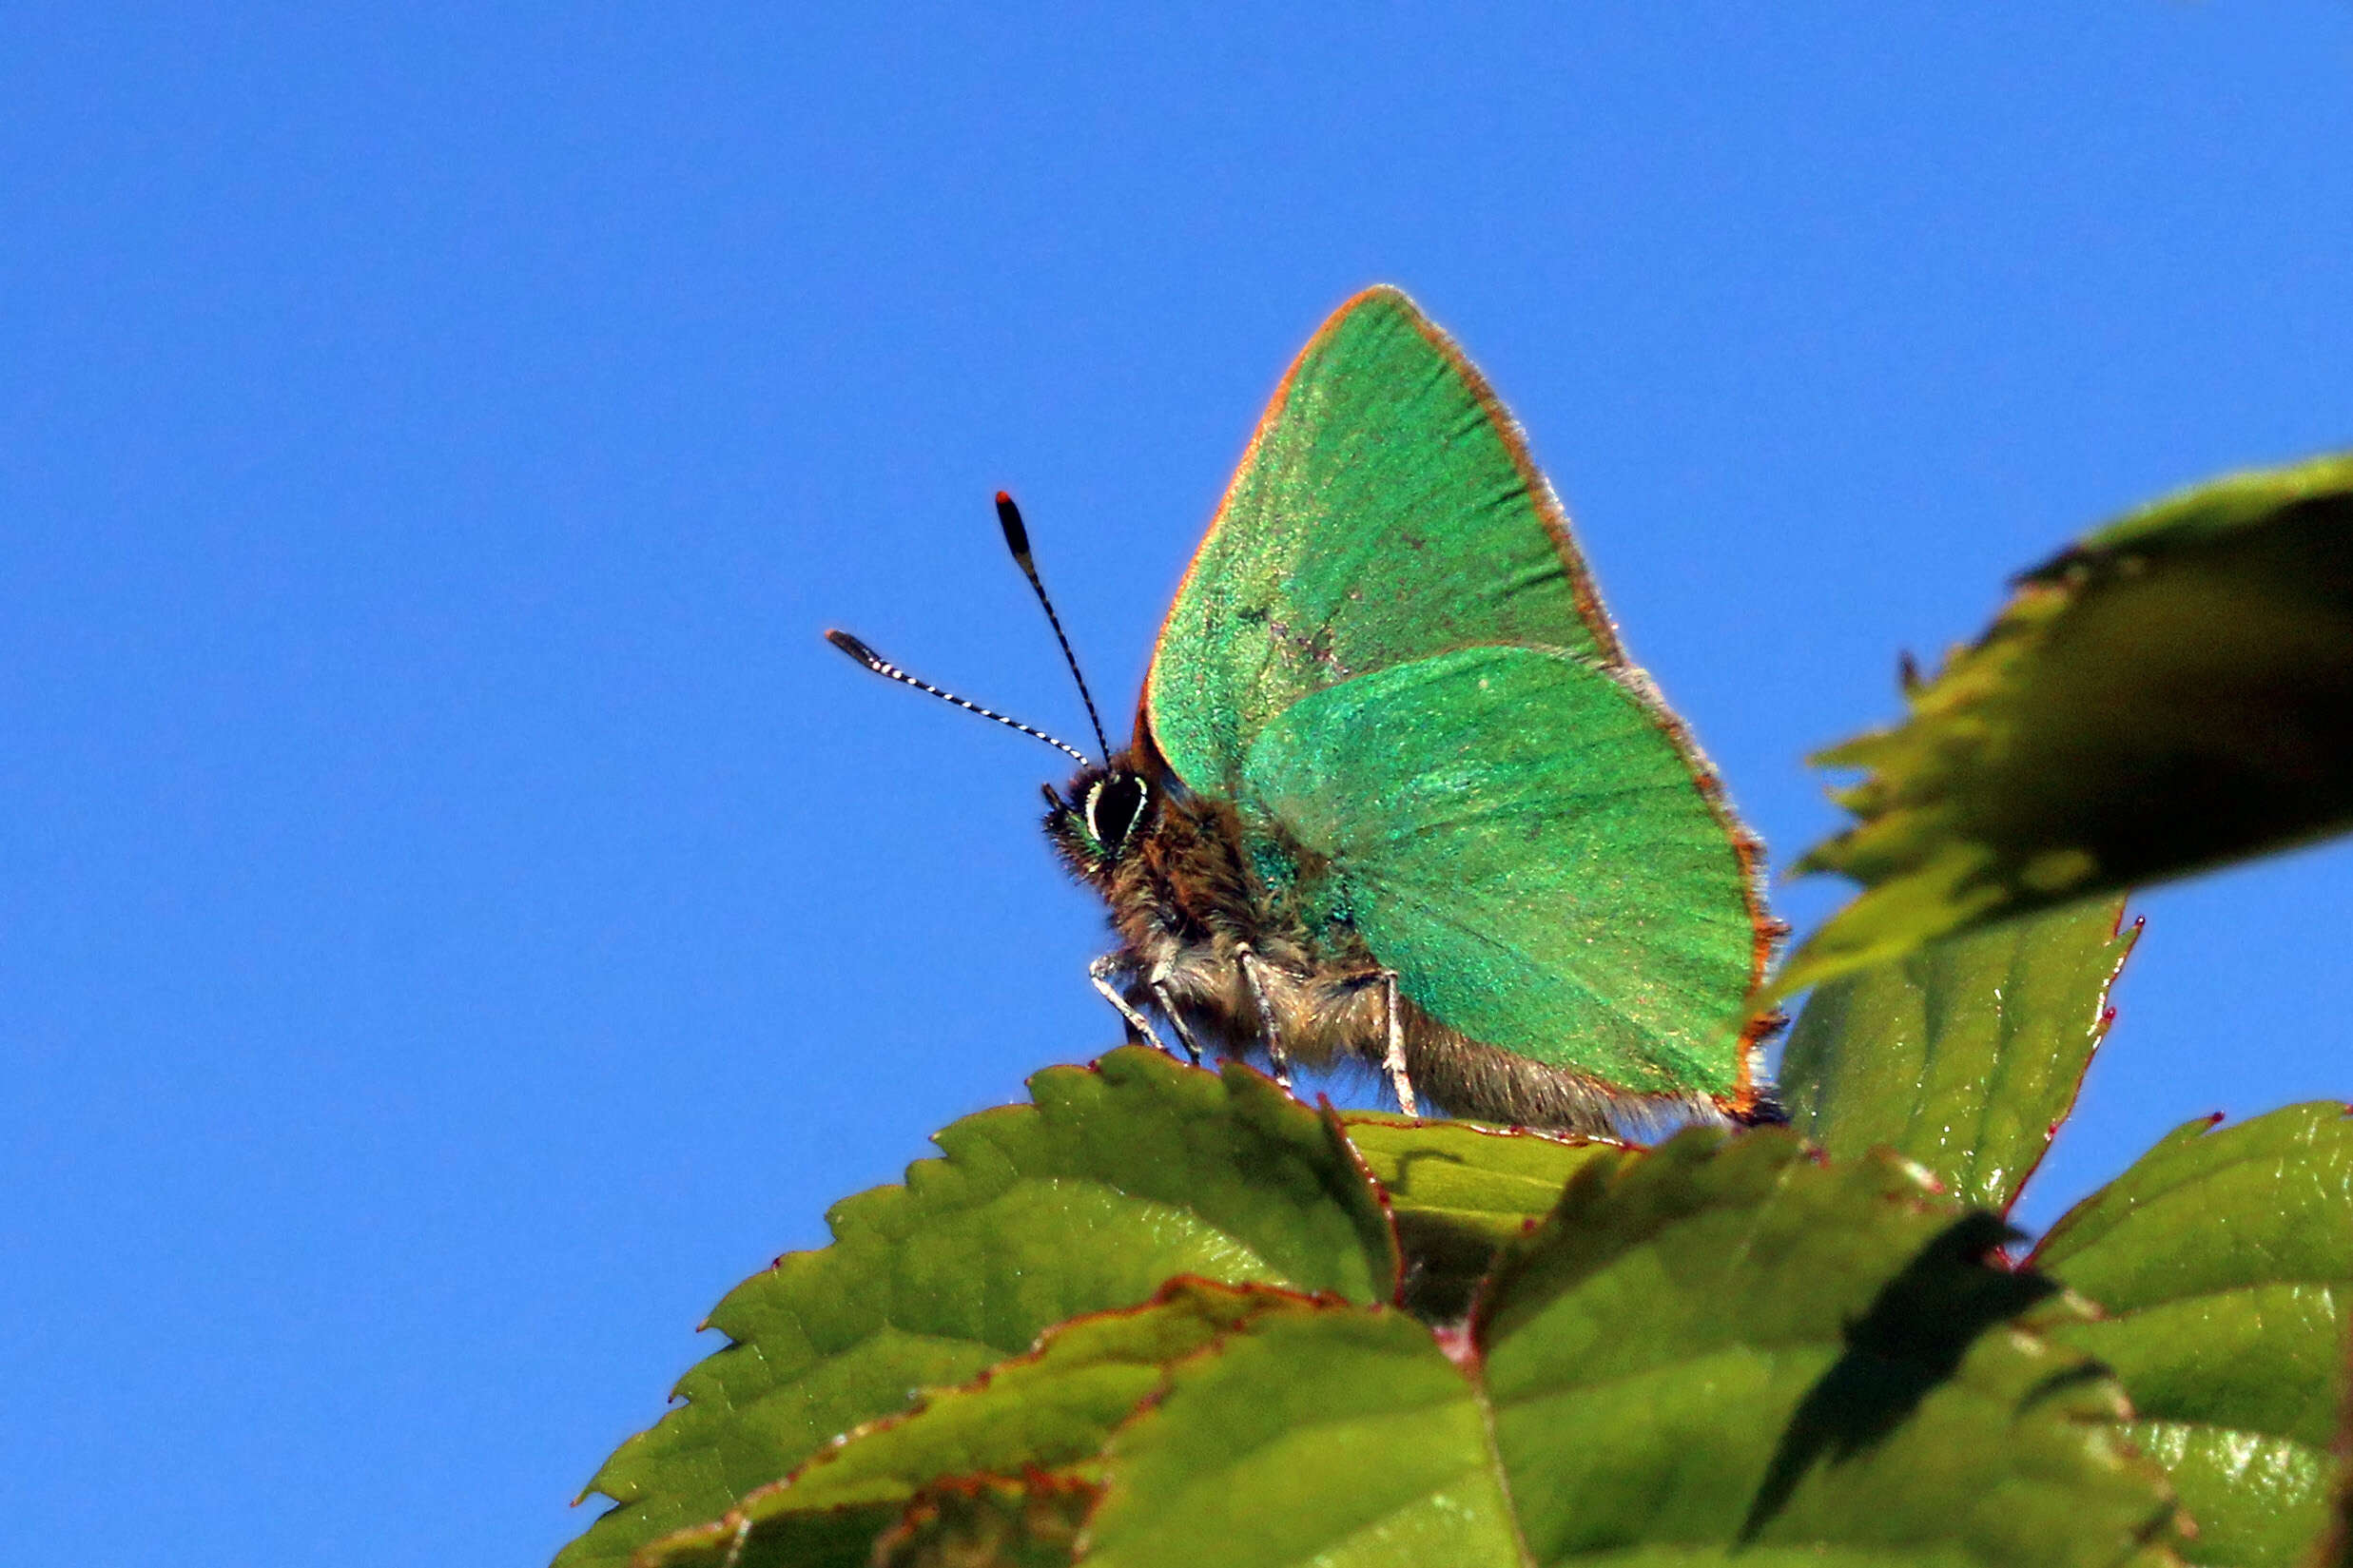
x: 1397, y: 795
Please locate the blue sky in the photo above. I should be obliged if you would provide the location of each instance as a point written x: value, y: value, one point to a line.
x: 456, y: 918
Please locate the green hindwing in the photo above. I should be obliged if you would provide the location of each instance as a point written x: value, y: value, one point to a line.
x: 1387, y: 509
x: 1517, y: 834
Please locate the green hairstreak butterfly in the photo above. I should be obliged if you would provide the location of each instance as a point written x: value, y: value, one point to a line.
x: 1395, y: 793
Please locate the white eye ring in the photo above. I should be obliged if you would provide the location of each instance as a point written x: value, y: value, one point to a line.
x: 1094, y: 828
x: 1094, y: 795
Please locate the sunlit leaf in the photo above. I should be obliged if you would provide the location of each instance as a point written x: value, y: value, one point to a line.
x: 1052, y: 1408
x: 2223, y: 1259
x: 1711, y: 1352
x: 2336, y: 1550
x: 1457, y: 1191
x: 1963, y: 1056
x: 1118, y: 1179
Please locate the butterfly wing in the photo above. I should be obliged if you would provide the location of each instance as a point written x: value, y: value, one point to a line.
x: 1387, y: 509
x: 1517, y: 833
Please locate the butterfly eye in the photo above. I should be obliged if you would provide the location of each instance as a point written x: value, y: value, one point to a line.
x: 1113, y: 809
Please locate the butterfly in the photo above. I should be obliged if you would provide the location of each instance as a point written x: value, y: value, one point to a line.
x: 1397, y: 795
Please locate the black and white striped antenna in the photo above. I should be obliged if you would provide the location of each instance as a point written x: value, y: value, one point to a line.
x: 881, y: 665
x: 1017, y: 540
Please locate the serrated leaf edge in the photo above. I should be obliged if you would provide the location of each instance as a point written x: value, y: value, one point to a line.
x: 746, y: 1515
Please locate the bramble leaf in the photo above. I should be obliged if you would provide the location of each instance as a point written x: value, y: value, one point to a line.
x: 1340, y: 1439
x: 991, y: 1523
x: 2223, y: 1259
x: 1119, y: 1178
x: 1715, y: 1352
x: 2336, y: 1549
x: 1963, y: 1056
x: 2173, y: 693
x: 1050, y: 1409
x: 1457, y: 1191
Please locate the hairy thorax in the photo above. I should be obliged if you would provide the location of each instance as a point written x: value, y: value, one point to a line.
x: 1188, y: 907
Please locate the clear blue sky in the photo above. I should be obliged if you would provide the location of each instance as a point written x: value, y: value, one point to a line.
x: 456, y: 917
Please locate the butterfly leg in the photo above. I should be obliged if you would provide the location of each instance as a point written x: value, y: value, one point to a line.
x: 1249, y: 962
x: 1158, y: 982
x: 1395, y: 1060
x: 1100, y: 972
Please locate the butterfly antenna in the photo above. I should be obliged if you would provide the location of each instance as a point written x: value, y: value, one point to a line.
x: 881, y: 665
x: 1017, y: 540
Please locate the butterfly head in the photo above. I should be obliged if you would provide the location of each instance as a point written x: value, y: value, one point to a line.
x: 1108, y: 813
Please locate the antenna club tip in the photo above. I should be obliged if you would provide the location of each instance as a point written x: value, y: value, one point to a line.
x: 850, y: 645
x: 1009, y: 518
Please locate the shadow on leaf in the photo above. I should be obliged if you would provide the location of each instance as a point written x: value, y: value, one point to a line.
x: 1917, y: 1329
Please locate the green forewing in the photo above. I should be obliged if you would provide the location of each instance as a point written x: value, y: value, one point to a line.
x: 1517, y: 834
x: 1387, y: 509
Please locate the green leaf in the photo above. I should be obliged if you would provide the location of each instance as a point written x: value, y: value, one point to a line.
x: 1120, y: 1177
x: 991, y: 1523
x: 2173, y: 693
x: 1716, y: 1351
x: 1457, y: 1191
x: 2224, y: 1262
x: 2336, y: 1549
x: 1342, y: 1439
x: 1964, y: 1055
x: 1052, y: 1408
